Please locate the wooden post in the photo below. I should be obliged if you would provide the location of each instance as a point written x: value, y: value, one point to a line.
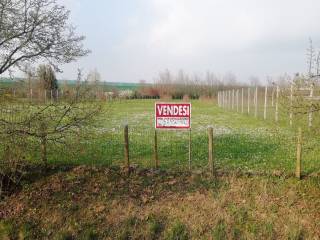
x: 232, y: 99
x: 156, y: 158
x: 265, y: 103
x: 210, y: 150
x: 310, y: 118
x: 237, y: 102
x: 272, y: 97
x: 248, y: 101
x: 256, y: 103
x: 190, y: 156
x: 126, y: 148
x: 241, y: 100
x: 229, y: 99
x: 299, y: 154
x: 291, y: 104
x: 277, y: 105
x: 31, y: 94
x: 45, y: 95
x: 223, y: 100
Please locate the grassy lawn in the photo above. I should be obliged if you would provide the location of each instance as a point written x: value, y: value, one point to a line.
x: 252, y: 196
x: 241, y: 142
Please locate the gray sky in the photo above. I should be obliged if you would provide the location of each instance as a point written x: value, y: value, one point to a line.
x: 135, y: 39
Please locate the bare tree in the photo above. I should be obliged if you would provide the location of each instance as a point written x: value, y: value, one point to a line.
x: 32, y: 30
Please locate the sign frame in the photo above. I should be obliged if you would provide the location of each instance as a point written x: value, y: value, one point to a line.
x: 172, y: 127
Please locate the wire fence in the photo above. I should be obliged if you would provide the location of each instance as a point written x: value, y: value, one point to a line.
x: 259, y: 151
x: 262, y: 150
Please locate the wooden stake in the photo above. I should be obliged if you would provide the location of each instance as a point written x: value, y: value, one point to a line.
x: 126, y: 148
x: 299, y: 154
x: 248, y: 101
x: 190, y: 156
x: 256, y: 103
x: 156, y: 158
x: 291, y: 104
x: 310, y: 118
x: 232, y: 99
x: 241, y: 100
x: 265, y: 103
x: 272, y: 97
x: 277, y: 105
x: 237, y: 102
x: 210, y: 150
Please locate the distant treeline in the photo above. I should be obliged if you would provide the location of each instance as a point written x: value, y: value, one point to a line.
x: 167, y: 85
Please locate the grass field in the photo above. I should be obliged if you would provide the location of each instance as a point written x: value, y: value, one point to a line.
x: 241, y: 142
x: 253, y: 195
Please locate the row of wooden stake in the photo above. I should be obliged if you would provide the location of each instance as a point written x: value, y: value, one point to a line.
x: 155, y: 149
x: 230, y: 99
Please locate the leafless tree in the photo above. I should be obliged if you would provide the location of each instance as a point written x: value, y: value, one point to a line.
x: 32, y: 30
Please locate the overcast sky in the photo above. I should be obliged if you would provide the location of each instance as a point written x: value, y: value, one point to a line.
x: 132, y: 40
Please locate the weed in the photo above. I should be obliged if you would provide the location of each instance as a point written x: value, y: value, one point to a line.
x: 6, y: 230
x: 178, y: 231
x: 64, y: 235
x: 155, y: 227
x: 220, y: 231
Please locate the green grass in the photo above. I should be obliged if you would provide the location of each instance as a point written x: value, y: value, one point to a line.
x: 241, y: 142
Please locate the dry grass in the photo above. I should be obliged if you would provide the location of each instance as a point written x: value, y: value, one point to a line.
x: 102, y: 203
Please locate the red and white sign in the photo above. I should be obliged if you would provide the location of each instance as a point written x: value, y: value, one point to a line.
x: 173, y: 115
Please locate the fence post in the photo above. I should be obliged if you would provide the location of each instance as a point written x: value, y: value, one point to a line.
x: 126, y: 147
x: 223, y: 99
x: 229, y: 100
x: 256, y: 103
x: 299, y: 153
x: 265, y: 103
x: 272, y: 97
x: 237, y: 95
x: 277, y: 105
x: 156, y: 157
x: 190, y: 156
x: 241, y: 100
x: 232, y: 99
x: 311, y: 107
x: 248, y: 101
x: 210, y: 150
x: 291, y: 104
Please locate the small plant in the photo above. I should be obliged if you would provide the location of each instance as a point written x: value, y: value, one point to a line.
x: 155, y: 227
x: 89, y: 234
x: 178, y: 231
x: 6, y: 230
x: 64, y: 236
x: 220, y: 231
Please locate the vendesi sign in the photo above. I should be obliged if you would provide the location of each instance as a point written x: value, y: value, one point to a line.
x: 173, y: 115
